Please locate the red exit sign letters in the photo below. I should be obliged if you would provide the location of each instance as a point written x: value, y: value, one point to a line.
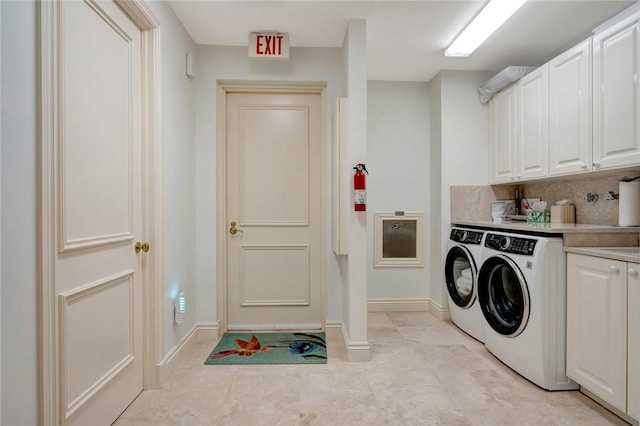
x: 269, y: 45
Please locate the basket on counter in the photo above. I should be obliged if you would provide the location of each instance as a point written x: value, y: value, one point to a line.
x: 535, y: 216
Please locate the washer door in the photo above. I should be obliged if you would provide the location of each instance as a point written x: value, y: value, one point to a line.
x: 503, y: 295
x: 460, y: 273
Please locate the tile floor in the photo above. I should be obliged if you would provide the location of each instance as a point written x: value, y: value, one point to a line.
x: 423, y: 371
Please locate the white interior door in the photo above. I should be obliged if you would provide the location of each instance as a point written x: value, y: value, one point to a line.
x: 274, y: 195
x: 98, y: 213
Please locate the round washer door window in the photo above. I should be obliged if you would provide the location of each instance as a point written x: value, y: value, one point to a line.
x: 460, y: 275
x: 503, y: 296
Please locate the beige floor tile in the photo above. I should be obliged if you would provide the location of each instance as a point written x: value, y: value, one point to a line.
x: 423, y: 371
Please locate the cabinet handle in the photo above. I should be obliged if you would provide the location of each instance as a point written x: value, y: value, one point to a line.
x: 596, y: 164
x: 583, y: 167
x: 633, y: 273
x: 614, y: 269
x: 518, y: 176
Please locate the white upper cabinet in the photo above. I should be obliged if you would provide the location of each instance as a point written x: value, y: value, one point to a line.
x: 503, y: 127
x: 616, y: 91
x: 578, y: 113
x: 532, y: 150
x: 570, y: 111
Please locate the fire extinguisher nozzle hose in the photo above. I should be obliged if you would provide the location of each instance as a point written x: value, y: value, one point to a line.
x: 360, y: 167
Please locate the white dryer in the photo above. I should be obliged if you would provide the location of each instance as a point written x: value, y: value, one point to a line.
x: 464, y: 252
x: 522, y: 295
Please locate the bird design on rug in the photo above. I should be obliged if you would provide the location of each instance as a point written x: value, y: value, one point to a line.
x: 246, y: 348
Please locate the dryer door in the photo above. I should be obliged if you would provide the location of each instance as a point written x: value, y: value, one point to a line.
x: 503, y: 295
x: 460, y: 273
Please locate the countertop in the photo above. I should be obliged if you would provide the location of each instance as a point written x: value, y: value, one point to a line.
x: 624, y: 254
x: 550, y: 228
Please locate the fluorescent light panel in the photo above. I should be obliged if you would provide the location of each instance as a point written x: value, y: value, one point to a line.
x: 494, y: 14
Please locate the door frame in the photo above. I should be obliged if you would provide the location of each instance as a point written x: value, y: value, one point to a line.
x: 226, y: 87
x: 151, y: 272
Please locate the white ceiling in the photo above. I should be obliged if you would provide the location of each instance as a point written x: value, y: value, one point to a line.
x: 405, y: 39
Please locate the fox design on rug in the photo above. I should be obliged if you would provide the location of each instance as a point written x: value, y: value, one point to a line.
x: 302, y: 348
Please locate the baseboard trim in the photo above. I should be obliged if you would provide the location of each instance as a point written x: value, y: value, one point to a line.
x: 408, y: 305
x: 440, y: 312
x: 199, y: 333
x: 398, y: 305
x: 333, y: 329
x: 355, y: 351
x: 208, y: 331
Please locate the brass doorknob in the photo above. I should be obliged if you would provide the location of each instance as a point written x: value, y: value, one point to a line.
x: 233, y: 230
x: 142, y: 246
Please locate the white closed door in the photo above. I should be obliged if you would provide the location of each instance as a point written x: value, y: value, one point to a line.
x: 98, y: 213
x: 274, y: 196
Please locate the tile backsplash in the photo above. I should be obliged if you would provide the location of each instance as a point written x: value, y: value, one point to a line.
x: 470, y: 203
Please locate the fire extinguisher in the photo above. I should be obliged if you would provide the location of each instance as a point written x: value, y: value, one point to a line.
x: 360, y: 188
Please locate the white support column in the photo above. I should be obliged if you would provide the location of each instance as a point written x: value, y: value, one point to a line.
x: 356, y: 289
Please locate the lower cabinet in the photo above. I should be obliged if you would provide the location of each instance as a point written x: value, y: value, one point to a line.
x: 633, y: 387
x: 603, y: 330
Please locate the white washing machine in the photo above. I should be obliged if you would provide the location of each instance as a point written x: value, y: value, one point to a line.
x: 464, y: 253
x: 522, y: 295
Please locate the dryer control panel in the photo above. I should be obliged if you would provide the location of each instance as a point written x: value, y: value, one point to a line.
x: 466, y: 236
x: 507, y: 244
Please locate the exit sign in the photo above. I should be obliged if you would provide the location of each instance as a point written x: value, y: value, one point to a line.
x: 269, y: 45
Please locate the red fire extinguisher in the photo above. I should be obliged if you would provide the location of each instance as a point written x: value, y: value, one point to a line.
x: 360, y: 188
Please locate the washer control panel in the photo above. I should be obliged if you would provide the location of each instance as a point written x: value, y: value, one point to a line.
x: 466, y: 236
x: 507, y: 244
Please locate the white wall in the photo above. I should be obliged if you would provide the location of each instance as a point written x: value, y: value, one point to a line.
x: 398, y: 129
x: 19, y: 280
x: 178, y: 162
x: 215, y: 63
x: 464, y: 146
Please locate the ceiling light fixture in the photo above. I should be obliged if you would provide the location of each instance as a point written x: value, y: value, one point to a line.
x: 494, y: 14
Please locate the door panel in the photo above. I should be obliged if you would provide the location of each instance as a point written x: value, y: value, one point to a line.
x: 96, y: 147
x: 262, y: 281
x: 102, y: 309
x: 274, y: 193
x: 98, y: 208
x: 274, y: 165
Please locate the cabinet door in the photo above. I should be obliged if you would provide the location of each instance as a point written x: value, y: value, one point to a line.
x: 633, y: 387
x: 570, y: 111
x: 597, y: 326
x: 533, y: 124
x: 503, y: 121
x: 616, y: 90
